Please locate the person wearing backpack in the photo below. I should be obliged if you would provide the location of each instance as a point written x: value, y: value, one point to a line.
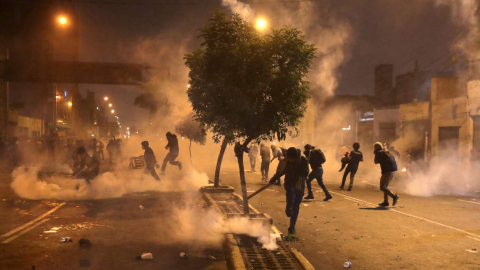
x: 295, y: 171
x: 389, y: 166
x: 316, y: 158
x: 353, y: 160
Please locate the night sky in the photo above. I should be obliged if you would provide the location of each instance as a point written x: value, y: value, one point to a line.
x: 159, y: 33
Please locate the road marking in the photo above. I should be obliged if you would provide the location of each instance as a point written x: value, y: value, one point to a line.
x: 33, y: 221
x: 474, y: 238
x: 25, y: 231
x: 468, y: 201
x: 417, y: 217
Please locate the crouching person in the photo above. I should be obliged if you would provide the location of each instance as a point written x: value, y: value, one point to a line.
x: 89, y: 166
x: 296, y: 172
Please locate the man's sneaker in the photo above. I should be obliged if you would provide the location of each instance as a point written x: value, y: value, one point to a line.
x: 288, y: 212
x: 395, y: 199
x: 340, y: 187
x: 180, y: 166
x: 384, y: 204
x: 327, y: 198
x: 350, y: 188
x: 309, y: 197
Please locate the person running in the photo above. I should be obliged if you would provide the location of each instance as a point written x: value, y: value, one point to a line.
x: 173, y: 148
x: 253, y: 156
x: 388, y: 167
x: 150, y: 160
x: 316, y: 158
x: 265, y: 154
x: 89, y: 166
x: 295, y: 171
x: 354, y: 159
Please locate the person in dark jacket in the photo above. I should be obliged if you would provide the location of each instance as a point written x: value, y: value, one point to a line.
x: 354, y: 159
x: 173, y: 148
x: 150, y: 160
x: 382, y: 158
x: 265, y: 165
x: 295, y: 171
x: 89, y: 165
x: 316, y: 158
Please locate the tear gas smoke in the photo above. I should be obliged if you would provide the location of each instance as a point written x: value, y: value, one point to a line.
x: 244, y: 10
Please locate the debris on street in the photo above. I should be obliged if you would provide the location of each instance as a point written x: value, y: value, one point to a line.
x: 65, y: 239
x: 183, y: 255
x: 347, y: 265
x: 84, y: 242
x: 141, y: 207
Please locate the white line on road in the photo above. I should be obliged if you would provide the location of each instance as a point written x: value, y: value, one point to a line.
x: 417, y: 217
x: 468, y: 201
x: 474, y: 238
x: 33, y: 221
x: 24, y: 231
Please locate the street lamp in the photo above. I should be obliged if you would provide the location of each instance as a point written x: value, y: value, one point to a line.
x: 105, y: 98
x: 110, y: 105
x: 62, y: 20
x: 70, y: 104
x: 261, y: 23
x: 113, y: 111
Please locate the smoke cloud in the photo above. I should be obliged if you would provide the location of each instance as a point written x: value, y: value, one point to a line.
x: 244, y: 10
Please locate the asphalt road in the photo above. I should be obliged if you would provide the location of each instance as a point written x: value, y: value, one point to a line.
x: 419, y: 233
x: 117, y: 228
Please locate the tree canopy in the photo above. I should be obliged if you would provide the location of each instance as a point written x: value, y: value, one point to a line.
x: 192, y: 130
x: 248, y: 85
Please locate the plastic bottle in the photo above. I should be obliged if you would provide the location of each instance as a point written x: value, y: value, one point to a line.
x: 65, y: 239
x: 347, y: 265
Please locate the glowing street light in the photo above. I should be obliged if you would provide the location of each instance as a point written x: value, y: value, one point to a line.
x: 113, y: 111
x: 70, y: 104
x: 105, y: 98
x: 110, y: 105
x: 261, y: 24
x: 188, y: 85
x: 62, y: 20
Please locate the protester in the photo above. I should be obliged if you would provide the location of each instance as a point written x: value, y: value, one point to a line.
x: 265, y: 154
x: 354, y: 158
x: 388, y: 166
x: 99, y: 147
x: 173, y: 148
x: 150, y: 160
x: 112, y: 149
x: 280, y: 154
x: 89, y: 165
x: 316, y: 158
x: 253, y: 156
x: 295, y: 171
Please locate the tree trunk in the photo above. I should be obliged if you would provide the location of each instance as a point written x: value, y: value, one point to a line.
x: 246, y: 208
x: 190, y: 150
x: 219, y: 161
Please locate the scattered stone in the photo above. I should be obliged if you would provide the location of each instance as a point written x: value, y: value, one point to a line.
x: 146, y: 256
x: 337, y: 229
x: 183, y: 255
x: 141, y: 207
x: 314, y: 216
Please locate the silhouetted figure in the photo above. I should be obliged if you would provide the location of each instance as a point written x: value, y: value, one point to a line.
x: 89, y: 165
x: 316, y: 158
x: 295, y: 171
x: 265, y: 165
x: 150, y: 160
x: 173, y: 148
x: 353, y: 159
x: 344, y: 161
x: 388, y: 166
x: 253, y: 156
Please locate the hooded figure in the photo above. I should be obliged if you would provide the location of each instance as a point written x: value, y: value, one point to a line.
x: 316, y: 158
x: 388, y: 166
x: 89, y: 165
x: 173, y: 148
x: 353, y: 160
x: 150, y: 160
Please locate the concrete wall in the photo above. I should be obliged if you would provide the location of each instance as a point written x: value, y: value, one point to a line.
x: 473, y: 88
x: 386, y: 115
x: 414, y: 111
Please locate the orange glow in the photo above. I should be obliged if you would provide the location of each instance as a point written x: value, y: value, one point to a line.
x: 404, y: 169
x: 113, y: 111
x: 62, y: 20
x: 105, y: 98
x: 57, y: 97
x: 110, y: 105
x: 70, y: 104
x: 261, y: 24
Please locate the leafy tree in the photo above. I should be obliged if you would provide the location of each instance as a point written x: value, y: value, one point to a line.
x: 248, y: 86
x: 192, y: 130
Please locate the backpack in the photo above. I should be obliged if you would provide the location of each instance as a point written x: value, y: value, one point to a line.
x: 317, y: 158
x: 391, y: 164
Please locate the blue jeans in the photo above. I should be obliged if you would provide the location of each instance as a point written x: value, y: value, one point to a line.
x: 294, y: 198
x: 317, y: 173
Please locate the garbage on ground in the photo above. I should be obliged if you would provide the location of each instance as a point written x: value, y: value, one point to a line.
x: 183, y: 255
x: 84, y: 242
x: 473, y: 250
x: 141, y: 207
x: 347, y: 265
x: 146, y: 256
x: 65, y: 239
x: 211, y: 257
